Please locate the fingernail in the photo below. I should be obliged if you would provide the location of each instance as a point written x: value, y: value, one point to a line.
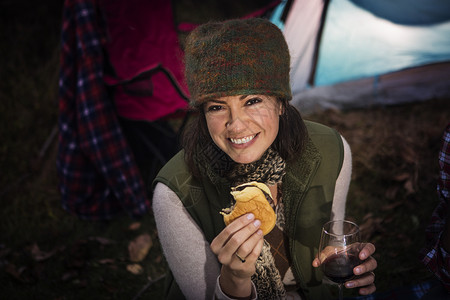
x: 358, y: 271
x: 363, y: 255
x: 259, y: 232
x: 250, y: 216
x: 257, y: 223
x: 349, y: 284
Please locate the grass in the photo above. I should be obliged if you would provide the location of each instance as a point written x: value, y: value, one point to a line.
x: 46, y: 253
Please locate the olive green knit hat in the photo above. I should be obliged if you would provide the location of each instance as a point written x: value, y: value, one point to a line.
x: 237, y: 57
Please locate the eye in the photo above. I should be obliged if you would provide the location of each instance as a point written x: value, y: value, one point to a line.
x: 253, y: 101
x: 214, y: 107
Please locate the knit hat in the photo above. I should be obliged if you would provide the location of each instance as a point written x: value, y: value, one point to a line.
x: 237, y: 57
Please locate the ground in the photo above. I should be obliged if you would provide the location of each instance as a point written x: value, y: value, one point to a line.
x: 45, y: 251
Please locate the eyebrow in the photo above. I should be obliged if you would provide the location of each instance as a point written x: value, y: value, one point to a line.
x: 242, y: 97
x: 216, y: 101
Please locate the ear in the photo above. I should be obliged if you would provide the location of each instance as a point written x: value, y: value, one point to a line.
x: 281, y: 107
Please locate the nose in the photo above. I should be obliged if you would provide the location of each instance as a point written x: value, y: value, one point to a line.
x: 236, y: 120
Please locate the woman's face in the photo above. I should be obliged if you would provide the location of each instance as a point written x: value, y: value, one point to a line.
x: 244, y: 127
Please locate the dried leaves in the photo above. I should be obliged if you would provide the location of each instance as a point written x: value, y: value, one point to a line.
x: 39, y: 255
x: 135, y: 269
x: 139, y: 247
x: 138, y: 250
x: 92, y: 253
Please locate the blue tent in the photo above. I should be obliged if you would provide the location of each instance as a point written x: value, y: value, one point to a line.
x: 357, y: 53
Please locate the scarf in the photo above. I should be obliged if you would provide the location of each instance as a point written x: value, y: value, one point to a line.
x: 269, y: 169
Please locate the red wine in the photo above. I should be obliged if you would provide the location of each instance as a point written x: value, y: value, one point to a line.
x: 339, y: 267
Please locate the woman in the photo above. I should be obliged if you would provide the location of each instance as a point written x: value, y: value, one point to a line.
x: 238, y: 77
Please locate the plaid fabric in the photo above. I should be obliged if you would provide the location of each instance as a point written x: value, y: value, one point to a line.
x: 98, y: 175
x: 433, y: 255
x: 276, y: 239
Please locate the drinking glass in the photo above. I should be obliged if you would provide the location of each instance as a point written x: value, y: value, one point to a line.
x: 340, y: 243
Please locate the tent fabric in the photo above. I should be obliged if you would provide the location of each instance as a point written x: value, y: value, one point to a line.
x: 146, y: 59
x: 344, y: 62
x: 401, y: 87
x: 357, y: 43
x: 301, y: 36
x: 408, y: 12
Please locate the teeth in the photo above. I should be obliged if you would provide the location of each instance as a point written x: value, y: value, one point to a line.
x: 243, y: 140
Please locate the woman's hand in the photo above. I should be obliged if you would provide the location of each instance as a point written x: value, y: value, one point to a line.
x: 365, y: 277
x: 241, y: 238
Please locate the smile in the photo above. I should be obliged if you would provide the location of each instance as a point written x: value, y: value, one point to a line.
x: 242, y: 140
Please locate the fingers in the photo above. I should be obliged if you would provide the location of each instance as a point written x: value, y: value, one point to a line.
x: 360, y: 281
x: 367, y: 251
x: 369, y: 265
x: 222, y: 238
x: 367, y: 289
x: 366, y: 277
x: 243, y: 234
x: 366, y: 282
x: 327, y: 251
x: 316, y: 263
x: 250, y: 255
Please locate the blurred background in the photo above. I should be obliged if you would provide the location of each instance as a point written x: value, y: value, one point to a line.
x: 45, y: 253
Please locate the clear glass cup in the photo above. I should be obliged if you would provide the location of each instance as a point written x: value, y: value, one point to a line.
x: 340, y: 244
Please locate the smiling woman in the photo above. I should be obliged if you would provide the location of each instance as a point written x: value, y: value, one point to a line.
x: 243, y: 127
x: 246, y: 131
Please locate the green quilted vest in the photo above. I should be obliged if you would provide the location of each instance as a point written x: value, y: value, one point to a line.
x: 307, y: 189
